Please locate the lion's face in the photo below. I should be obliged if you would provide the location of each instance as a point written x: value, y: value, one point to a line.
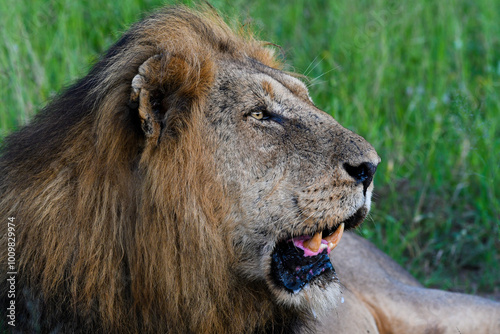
x: 292, y: 172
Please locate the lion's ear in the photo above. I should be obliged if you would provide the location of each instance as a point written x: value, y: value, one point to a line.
x: 164, y: 90
x: 145, y: 97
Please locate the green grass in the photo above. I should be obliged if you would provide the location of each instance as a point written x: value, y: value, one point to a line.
x: 420, y: 80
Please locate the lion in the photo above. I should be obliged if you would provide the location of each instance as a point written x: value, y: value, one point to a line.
x: 188, y: 184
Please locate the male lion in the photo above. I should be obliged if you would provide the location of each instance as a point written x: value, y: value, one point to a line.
x: 187, y: 185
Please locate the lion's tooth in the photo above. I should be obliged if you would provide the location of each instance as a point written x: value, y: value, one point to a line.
x: 334, y: 238
x: 314, y: 243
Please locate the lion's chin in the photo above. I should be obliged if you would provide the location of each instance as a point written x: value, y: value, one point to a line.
x: 305, y: 282
x: 316, y: 298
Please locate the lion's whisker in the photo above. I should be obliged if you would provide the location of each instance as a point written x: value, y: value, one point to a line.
x: 306, y: 72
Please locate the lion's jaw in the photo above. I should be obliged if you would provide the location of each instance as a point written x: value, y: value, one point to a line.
x: 297, y: 173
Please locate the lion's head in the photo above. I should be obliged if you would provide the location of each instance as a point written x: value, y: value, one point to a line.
x: 293, y: 174
x: 186, y: 184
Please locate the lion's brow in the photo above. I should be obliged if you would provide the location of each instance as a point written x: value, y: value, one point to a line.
x: 268, y: 88
x: 294, y: 85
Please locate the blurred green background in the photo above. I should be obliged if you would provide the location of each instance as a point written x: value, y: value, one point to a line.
x: 420, y: 80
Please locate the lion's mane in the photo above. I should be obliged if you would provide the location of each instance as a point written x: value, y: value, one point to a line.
x: 113, y: 235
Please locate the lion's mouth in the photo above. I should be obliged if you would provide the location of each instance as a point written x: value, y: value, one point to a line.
x: 297, y: 261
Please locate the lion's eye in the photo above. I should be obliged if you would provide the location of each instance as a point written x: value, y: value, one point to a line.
x: 260, y: 114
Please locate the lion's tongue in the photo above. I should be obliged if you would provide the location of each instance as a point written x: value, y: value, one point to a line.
x: 315, y: 245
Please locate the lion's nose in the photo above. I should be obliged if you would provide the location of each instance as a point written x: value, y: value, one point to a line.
x: 362, y: 173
